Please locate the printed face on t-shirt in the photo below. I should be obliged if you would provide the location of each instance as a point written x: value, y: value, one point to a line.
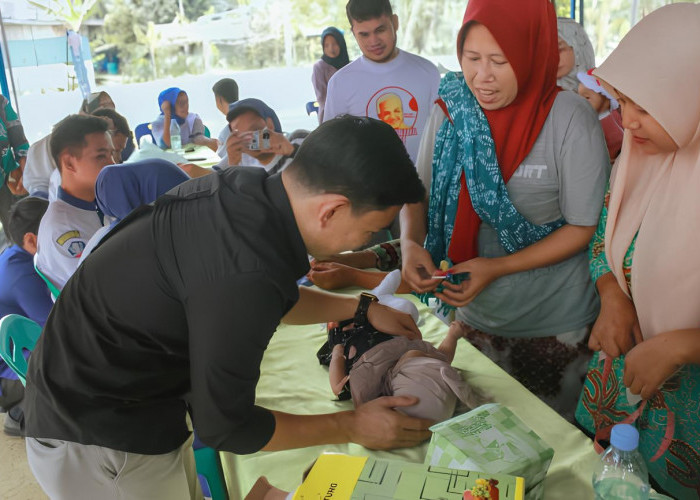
x: 390, y: 110
x: 377, y: 37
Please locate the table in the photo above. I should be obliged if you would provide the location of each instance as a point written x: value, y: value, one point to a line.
x: 201, y: 155
x: 293, y: 381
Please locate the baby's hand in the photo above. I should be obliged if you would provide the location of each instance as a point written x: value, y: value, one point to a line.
x: 458, y: 330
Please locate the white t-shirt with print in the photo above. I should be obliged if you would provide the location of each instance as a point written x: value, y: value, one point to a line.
x: 400, y: 92
x: 63, y: 234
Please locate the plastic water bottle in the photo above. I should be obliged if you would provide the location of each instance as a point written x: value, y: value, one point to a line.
x: 175, y: 139
x: 622, y: 473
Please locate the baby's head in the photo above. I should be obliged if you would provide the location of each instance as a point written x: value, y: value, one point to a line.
x: 433, y: 381
x: 591, y: 89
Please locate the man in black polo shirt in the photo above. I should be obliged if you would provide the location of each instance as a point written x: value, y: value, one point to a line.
x: 174, y: 310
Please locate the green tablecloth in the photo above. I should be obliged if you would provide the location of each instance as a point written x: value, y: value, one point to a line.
x: 294, y: 382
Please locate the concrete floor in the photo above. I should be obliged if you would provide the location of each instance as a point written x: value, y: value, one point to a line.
x: 16, y: 480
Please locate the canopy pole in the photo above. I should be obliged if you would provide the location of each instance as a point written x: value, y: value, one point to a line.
x: 3, y: 76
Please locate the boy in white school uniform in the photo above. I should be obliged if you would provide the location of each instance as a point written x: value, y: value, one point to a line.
x: 81, y: 146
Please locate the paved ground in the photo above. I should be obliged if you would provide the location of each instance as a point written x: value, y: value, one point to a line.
x: 286, y: 90
x: 16, y: 480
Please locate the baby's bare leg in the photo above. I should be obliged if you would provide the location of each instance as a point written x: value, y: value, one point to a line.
x: 449, y: 344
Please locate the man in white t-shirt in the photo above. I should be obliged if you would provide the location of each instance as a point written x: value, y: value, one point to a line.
x: 81, y: 146
x: 392, y: 85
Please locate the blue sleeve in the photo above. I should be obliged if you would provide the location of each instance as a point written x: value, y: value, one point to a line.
x: 33, y: 297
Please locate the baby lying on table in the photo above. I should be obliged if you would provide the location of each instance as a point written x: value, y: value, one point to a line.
x: 403, y: 367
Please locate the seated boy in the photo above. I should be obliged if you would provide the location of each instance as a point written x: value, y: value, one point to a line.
x: 81, y: 146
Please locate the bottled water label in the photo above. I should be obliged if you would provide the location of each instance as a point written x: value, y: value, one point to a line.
x: 175, y: 142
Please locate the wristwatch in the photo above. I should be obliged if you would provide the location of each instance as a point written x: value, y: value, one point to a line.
x: 361, y: 312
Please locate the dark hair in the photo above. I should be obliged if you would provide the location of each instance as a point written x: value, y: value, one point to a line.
x: 24, y: 217
x: 360, y: 158
x: 240, y: 110
x: 70, y: 133
x: 120, y: 123
x: 363, y: 10
x: 226, y: 88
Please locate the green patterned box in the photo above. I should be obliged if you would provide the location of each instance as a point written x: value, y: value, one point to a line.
x: 491, y: 438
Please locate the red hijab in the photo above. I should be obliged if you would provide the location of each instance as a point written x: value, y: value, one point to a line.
x: 526, y: 30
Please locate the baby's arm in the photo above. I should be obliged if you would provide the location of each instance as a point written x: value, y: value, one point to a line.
x: 336, y: 369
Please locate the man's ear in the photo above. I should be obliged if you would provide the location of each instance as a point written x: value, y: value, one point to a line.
x: 330, y: 207
x: 29, y: 243
x: 68, y: 161
x: 395, y: 21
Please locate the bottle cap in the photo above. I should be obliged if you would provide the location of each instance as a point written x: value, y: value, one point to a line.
x: 624, y: 437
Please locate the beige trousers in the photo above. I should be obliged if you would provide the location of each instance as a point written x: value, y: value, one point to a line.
x: 67, y: 470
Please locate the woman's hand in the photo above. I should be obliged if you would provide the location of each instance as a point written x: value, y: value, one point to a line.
x: 650, y: 363
x: 417, y: 267
x: 388, y: 320
x: 166, y: 108
x: 482, y: 271
x: 616, y: 331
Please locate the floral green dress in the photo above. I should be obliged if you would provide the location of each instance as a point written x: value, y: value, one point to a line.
x: 674, y: 408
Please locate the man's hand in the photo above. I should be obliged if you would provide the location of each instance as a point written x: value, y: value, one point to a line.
x: 482, y: 271
x: 331, y: 275
x: 393, y: 322
x: 279, y: 144
x: 616, y: 330
x: 417, y: 267
x: 377, y: 426
x: 15, y: 179
x: 236, y: 143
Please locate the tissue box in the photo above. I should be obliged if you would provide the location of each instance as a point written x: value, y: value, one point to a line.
x: 492, y: 439
x: 343, y: 477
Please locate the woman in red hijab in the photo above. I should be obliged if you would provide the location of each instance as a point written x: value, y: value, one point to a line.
x: 517, y: 173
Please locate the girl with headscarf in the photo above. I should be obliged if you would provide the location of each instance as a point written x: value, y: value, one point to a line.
x: 575, y: 53
x: 517, y: 172
x: 119, y: 189
x: 644, y: 253
x: 335, y: 56
x: 175, y: 105
x: 97, y: 100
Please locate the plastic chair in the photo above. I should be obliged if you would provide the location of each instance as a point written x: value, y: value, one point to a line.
x: 311, y: 107
x: 141, y: 130
x: 17, y: 333
x: 208, y: 466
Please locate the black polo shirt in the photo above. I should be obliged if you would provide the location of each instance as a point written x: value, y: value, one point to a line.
x: 174, y: 309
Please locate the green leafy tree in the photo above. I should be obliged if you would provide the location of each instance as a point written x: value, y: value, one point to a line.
x: 70, y: 12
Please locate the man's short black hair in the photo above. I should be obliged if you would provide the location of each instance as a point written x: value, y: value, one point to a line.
x: 240, y: 110
x: 364, y: 10
x: 70, y: 133
x: 120, y: 123
x: 360, y: 158
x: 227, y: 88
x: 25, y: 217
